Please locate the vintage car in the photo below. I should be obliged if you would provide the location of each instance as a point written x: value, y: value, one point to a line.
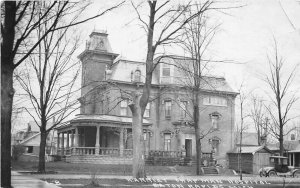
x: 279, y: 167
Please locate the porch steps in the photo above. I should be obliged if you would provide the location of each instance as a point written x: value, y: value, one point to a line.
x: 94, y: 159
x: 209, y: 171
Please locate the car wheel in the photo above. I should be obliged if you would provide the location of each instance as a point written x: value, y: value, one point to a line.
x: 261, y: 174
x: 296, y: 174
x: 272, y: 173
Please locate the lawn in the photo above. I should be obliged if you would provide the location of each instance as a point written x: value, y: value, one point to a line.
x: 102, y: 169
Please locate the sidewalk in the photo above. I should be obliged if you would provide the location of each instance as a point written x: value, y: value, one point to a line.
x: 170, y: 177
x: 22, y: 181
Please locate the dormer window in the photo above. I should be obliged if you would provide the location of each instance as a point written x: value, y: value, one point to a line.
x: 293, y: 137
x: 166, y: 73
x: 123, y: 108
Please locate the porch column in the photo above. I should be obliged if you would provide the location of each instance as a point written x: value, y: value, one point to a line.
x: 68, y: 136
x: 76, y: 137
x: 72, y: 138
x: 58, y: 143
x: 97, y: 145
x: 63, y: 143
x: 75, y: 140
x: 121, y: 142
x: 294, y: 159
x: 82, y: 138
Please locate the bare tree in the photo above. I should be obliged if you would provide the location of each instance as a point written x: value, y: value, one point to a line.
x: 281, y: 97
x: 162, y: 28
x: 243, y: 127
x: 259, y: 117
x: 195, y: 40
x: 49, y: 83
x: 19, y: 20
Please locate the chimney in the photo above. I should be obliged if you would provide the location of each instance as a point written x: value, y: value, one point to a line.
x: 263, y: 140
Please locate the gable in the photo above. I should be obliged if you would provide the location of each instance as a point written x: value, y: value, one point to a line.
x: 32, y: 141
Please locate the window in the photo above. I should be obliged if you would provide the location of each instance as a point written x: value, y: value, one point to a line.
x: 293, y: 137
x: 137, y: 76
x: 167, y: 141
x: 168, y: 108
x: 123, y: 108
x: 183, y: 109
x: 166, y: 73
x: 214, y: 142
x: 215, y: 146
x: 166, y: 70
x: 216, y: 101
x: 215, y: 116
x: 147, y: 111
x: 102, y: 107
x: 214, y: 121
x: 29, y: 149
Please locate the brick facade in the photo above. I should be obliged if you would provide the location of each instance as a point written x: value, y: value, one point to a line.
x: 106, y: 81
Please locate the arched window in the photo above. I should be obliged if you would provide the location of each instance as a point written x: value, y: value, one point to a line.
x: 137, y: 75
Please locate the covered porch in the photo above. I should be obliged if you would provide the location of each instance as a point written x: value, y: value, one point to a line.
x: 294, y: 158
x: 96, y: 135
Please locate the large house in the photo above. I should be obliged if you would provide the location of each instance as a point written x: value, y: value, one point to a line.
x: 101, y: 133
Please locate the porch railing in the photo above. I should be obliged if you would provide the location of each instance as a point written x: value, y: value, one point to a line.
x: 94, y: 151
x: 109, y: 151
x: 84, y: 150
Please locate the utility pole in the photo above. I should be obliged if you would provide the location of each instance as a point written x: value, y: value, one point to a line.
x: 241, y: 137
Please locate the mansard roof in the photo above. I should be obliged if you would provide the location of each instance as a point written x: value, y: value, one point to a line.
x: 122, y: 71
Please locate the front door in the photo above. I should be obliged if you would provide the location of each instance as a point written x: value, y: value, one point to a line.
x: 188, y: 147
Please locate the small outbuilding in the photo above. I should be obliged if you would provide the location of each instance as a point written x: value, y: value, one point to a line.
x: 253, y: 158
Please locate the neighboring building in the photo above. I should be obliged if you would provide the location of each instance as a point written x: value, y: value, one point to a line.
x: 294, y: 156
x: 252, y: 158
x: 294, y: 134
x: 103, y: 126
x: 30, y: 138
x: 22, y: 134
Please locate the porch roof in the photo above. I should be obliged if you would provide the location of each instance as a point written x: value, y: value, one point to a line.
x: 296, y: 150
x: 105, y: 118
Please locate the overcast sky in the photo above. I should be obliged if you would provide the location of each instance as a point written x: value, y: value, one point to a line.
x: 245, y: 36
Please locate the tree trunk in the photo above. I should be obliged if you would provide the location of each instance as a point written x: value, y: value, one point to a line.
x: 258, y: 136
x: 197, y: 134
x: 7, y: 91
x: 138, y: 164
x: 41, y: 167
x: 281, y: 148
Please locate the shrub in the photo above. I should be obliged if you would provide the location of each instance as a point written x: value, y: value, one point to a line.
x: 17, y: 151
